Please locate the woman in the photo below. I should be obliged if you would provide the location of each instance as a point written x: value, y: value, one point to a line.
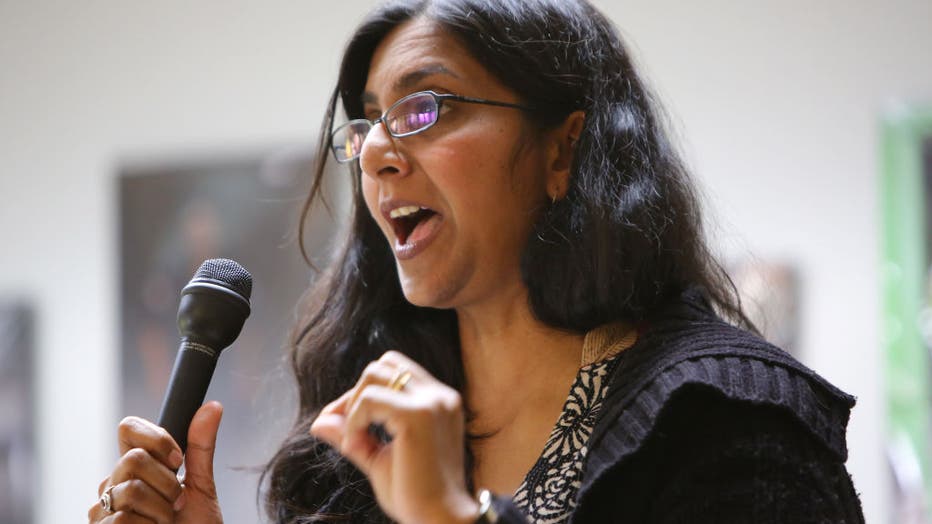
x: 523, y: 228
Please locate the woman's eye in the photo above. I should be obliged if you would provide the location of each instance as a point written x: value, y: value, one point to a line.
x: 426, y: 107
x: 418, y: 105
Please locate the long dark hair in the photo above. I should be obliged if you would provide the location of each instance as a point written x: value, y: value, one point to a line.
x: 625, y: 240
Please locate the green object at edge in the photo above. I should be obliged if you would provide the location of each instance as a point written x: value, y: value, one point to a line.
x: 904, y: 267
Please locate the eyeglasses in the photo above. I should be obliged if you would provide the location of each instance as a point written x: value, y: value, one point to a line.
x: 409, y: 116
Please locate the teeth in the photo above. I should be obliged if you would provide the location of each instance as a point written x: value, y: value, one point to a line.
x: 403, y: 211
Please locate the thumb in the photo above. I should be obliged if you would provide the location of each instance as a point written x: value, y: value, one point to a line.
x: 202, y: 440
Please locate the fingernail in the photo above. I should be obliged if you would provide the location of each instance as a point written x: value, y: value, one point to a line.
x: 179, y: 502
x: 175, y: 459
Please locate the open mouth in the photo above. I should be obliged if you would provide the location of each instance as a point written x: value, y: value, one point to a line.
x: 406, y: 221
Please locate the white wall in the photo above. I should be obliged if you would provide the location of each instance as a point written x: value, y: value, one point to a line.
x: 778, y: 103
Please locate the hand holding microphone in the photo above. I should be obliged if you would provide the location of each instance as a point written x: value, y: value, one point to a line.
x: 143, y: 485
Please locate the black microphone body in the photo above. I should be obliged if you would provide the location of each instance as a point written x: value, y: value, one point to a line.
x: 213, y: 308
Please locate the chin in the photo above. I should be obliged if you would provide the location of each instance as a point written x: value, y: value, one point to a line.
x: 424, y: 298
x: 428, y: 292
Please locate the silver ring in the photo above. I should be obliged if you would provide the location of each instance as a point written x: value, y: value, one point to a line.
x: 106, y: 500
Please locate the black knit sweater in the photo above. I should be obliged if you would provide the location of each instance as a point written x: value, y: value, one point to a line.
x: 704, y: 422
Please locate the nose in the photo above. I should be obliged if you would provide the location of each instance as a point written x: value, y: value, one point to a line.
x: 380, y: 155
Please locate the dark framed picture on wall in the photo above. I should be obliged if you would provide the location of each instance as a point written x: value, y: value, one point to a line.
x: 17, y: 405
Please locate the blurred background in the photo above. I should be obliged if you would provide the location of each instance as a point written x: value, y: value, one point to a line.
x: 137, y: 139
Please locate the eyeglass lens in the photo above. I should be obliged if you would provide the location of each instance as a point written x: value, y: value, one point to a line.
x: 407, y: 117
x: 412, y: 114
x: 347, y: 141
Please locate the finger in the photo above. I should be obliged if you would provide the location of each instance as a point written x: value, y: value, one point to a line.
x: 202, y: 442
x: 378, y: 373
x: 329, y: 428
x: 102, y: 486
x: 96, y: 513
x: 376, y: 405
x: 137, y: 497
x: 138, y: 463
x: 398, y: 411
x: 123, y: 517
x: 329, y: 424
x: 337, y: 406
x: 135, y: 432
x: 398, y: 359
x: 361, y: 448
x: 375, y: 372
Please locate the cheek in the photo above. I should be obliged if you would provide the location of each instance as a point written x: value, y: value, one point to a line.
x: 470, y: 162
x: 492, y: 185
x: 493, y: 203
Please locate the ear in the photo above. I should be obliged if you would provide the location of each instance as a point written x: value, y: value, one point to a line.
x: 562, y: 150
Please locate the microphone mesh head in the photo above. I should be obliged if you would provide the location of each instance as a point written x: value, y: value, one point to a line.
x: 227, y: 272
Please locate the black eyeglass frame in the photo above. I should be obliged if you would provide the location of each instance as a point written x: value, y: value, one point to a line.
x: 438, y: 99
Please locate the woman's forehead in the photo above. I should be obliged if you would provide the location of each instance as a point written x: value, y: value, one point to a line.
x: 410, y: 79
x: 414, y: 52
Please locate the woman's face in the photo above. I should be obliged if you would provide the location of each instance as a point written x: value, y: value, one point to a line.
x: 477, y: 176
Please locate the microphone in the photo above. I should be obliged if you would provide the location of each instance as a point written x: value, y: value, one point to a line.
x: 214, y: 305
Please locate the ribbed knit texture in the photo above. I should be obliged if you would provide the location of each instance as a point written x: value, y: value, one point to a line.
x: 713, y: 459
x: 704, y: 422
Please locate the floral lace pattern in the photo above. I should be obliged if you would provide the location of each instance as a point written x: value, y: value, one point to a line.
x: 548, y: 493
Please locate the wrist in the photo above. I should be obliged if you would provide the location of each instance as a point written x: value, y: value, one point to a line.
x: 464, y: 510
x: 461, y: 509
x: 475, y: 511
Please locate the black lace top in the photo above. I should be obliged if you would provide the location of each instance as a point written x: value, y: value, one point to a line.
x: 548, y: 493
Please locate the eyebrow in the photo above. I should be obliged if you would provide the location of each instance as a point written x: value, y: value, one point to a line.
x: 411, y: 78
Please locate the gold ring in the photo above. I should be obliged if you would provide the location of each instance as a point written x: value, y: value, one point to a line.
x: 400, y: 380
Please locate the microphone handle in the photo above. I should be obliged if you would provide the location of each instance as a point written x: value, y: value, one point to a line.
x: 187, y: 387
